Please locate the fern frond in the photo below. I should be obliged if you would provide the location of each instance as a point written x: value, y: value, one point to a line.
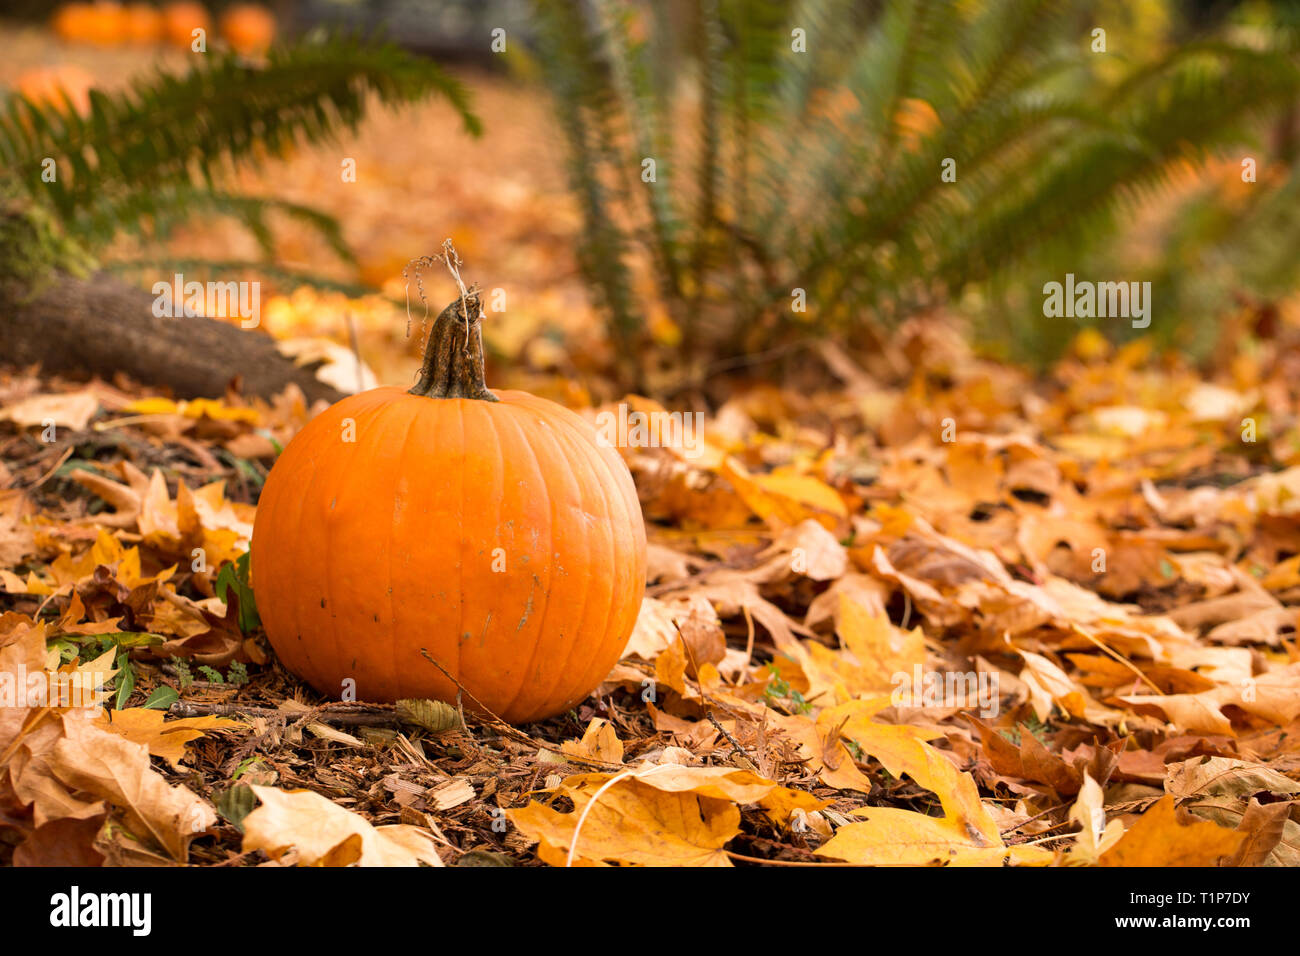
x: 170, y: 131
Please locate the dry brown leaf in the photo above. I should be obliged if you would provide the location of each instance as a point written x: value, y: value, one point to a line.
x: 633, y: 822
x: 164, y: 738
x: 1159, y: 839
x: 321, y: 833
x: 117, y: 770
x: 599, y: 742
x: 72, y: 410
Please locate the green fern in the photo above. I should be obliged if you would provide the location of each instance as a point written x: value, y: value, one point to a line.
x: 781, y: 170
x: 148, y: 157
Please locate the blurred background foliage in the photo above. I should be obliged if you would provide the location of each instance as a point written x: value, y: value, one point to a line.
x: 778, y: 170
x: 795, y: 146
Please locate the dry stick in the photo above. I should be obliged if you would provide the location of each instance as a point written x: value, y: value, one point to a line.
x: 1028, y: 841
x: 756, y: 859
x: 451, y: 259
x: 356, y: 349
x: 357, y: 715
x: 55, y: 467
x: 1012, y: 829
x: 704, y: 694
x: 749, y: 642
x: 1117, y: 656
x: 737, y: 750
x: 512, y: 732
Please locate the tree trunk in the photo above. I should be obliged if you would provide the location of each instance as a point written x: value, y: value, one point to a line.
x: 102, y: 326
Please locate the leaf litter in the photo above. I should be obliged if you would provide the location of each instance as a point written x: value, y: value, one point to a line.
x: 1058, y: 639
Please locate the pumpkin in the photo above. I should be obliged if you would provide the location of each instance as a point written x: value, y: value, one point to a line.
x: 491, y: 530
x: 106, y: 23
x: 180, y: 20
x: 248, y: 28
x: 73, y: 22
x: 143, y: 24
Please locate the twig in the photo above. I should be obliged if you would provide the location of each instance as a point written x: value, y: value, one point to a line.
x: 56, y: 466
x: 1117, y: 656
x: 356, y: 350
x: 749, y: 641
x: 737, y: 750
x: 755, y: 859
x: 510, y: 731
x: 1012, y: 829
x: 451, y: 259
x: 356, y: 715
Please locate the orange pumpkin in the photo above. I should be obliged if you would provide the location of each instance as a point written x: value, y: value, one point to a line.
x: 248, y: 28
x: 180, y: 20
x: 491, y: 530
x: 72, y: 22
x: 107, y: 23
x: 143, y: 24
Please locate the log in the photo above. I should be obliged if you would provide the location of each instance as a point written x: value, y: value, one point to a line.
x: 102, y: 326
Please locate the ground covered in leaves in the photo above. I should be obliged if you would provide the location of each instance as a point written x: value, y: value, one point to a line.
x: 966, y: 617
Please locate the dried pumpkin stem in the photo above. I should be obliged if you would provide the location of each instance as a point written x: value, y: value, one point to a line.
x: 453, y: 356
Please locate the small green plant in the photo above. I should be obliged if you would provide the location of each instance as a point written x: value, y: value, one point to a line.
x: 779, y: 689
x: 161, y: 698
x: 236, y: 675
x: 183, y: 672
x: 1036, y: 728
x: 245, y: 765
x: 88, y: 647
x: 236, y: 575
x: 235, y: 803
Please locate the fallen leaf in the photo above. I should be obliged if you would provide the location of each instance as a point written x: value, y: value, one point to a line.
x: 322, y: 833
x: 1159, y: 839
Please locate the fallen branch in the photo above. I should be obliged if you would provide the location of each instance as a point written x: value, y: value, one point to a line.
x: 345, y: 715
x: 102, y: 326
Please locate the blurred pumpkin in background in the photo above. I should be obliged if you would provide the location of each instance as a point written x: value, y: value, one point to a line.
x: 248, y: 28
x: 106, y: 23
x: 143, y: 23
x: 180, y: 20
x: 72, y: 22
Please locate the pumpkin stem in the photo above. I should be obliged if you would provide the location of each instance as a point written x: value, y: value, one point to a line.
x: 453, y: 355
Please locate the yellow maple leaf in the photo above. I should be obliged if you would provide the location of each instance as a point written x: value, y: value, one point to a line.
x: 785, y: 497
x: 1158, y: 839
x: 164, y: 738
x: 633, y: 823
x: 893, y: 837
x: 599, y: 742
